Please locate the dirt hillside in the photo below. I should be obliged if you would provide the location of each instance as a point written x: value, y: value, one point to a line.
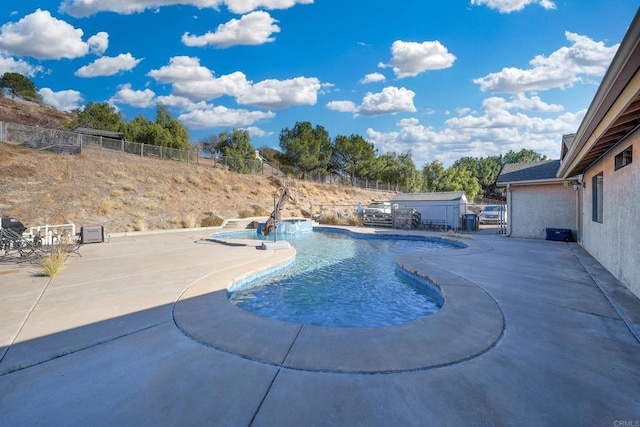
x: 30, y: 113
x: 124, y: 192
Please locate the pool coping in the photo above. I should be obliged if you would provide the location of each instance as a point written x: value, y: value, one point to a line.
x: 470, y: 322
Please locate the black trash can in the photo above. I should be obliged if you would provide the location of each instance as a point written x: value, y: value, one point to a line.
x: 470, y: 221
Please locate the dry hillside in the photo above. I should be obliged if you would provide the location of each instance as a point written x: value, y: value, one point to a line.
x: 124, y: 192
x: 30, y: 113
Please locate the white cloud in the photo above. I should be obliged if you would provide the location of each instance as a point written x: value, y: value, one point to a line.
x: 410, y: 58
x: 136, y: 98
x: 83, y: 8
x: 373, y: 78
x: 255, y: 131
x: 342, y: 106
x: 65, y: 100
x: 9, y: 64
x: 181, y: 102
x: 391, y: 100
x: 508, y: 6
x: 220, y: 116
x: 182, y: 69
x: 252, y: 29
x: 191, y: 80
x: 99, y: 43
x: 42, y: 36
x: 234, y: 84
x: 244, y: 6
x: 502, y: 126
x: 277, y: 94
x: 519, y: 101
x: 108, y: 66
x: 563, y: 68
x: 412, y: 121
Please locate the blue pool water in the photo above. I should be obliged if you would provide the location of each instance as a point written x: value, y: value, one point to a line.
x: 342, y: 281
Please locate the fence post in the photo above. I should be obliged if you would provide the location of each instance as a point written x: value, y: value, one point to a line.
x: 141, y: 150
x: 1, y: 131
x: 122, y: 145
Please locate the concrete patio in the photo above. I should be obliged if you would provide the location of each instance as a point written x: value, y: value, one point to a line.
x: 138, y: 331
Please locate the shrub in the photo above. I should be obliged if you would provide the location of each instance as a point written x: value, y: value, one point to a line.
x: 211, y: 221
x: 189, y: 221
x: 105, y: 207
x: 330, y: 218
x: 195, y: 181
x: 275, y: 181
x: 53, y: 263
x: 259, y: 211
x: 245, y: 213
x: 333, y: 219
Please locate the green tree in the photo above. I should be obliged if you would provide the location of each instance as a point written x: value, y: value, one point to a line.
x: 432, y: 175
x: 179, y: 134
x: 305, y: 149
x: 485, y: 170
x: 144, y: 131
x: 436, y: 178
x: 460, y: 179
x: 522, y: 156
x: 101, y: 116
x: 353, y: 156
x: 236, y: 147
x: 399, y: 169
x: 271, y: 155
x: 21, y: 86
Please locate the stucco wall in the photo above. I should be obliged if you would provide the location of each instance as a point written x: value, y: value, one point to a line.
x: 534, y: 208
x: 615, y: 242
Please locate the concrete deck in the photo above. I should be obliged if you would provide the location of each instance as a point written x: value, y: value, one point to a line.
x: 138, y: 331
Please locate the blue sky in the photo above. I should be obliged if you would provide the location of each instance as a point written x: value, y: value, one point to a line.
x: 442, y: 79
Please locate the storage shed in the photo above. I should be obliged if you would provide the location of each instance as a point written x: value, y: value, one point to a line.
x: 437, y: 210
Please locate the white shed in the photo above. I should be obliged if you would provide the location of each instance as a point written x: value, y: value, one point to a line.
x: 437, y: 210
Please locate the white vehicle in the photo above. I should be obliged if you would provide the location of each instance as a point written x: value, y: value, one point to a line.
x: 493, y: 214
x: 378, y: 207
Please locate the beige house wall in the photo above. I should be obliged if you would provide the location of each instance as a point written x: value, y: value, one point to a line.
x: 534, y: 208
x: 615, y: 242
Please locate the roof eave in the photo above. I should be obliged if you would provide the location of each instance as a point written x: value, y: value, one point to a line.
x: 607, y: 94
x: 535, y: 181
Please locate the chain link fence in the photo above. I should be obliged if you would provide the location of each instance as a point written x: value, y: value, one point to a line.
x: 65, y: 141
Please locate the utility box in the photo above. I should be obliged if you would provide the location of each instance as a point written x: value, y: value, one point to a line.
x: 92, y: 234
x: 559, y: 234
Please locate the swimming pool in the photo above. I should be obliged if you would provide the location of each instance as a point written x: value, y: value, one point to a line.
x: 340, y: 280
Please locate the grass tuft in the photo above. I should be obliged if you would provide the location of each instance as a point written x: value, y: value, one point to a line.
x: 189, y: 221
x: 53, y: 263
